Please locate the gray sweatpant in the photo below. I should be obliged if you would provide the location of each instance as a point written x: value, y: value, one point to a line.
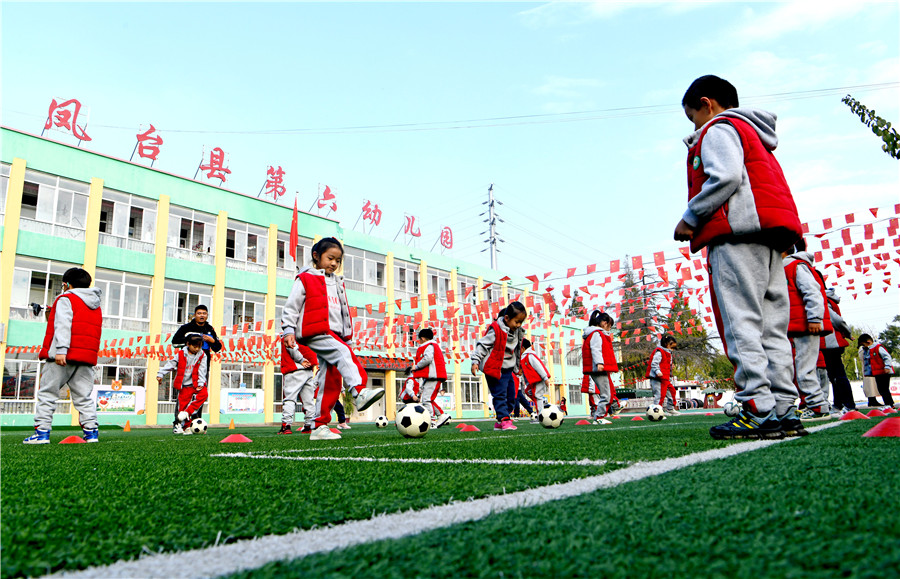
x: 540, y: 394
x: 427, y: 394
x: 750, y: 299
x: 80, y: 378
x: 600, y: 393
x: 824, y: 383
x: 656, y: 387
x: 806, y: 354
x: 303, y: 382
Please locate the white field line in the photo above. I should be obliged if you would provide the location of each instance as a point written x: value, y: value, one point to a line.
x: 254, y: 553
x: 502, y: 461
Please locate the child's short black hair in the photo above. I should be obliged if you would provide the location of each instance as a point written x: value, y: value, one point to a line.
x: 513, y: 310
x: 426, y: 333
x: 799, y: 245
x: 711, y: 87
x: 201, y: 307
x: 526, y: 343
x: 597, y: 316
x: 666, y: 340
x: 324, y: 245
x: 193, y: 339
x: 77, y: 278
x: 863, y: 338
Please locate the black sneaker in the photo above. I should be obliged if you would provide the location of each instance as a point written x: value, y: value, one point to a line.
x: 747, y: 425
x: 285, y: 429
x: 791, y: 425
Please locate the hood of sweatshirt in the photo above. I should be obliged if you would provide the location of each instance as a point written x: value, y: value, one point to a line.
x: 762, y: 121
x: 590, y: 330
x: 802, y: 255
x: 89, y: 295
x: 832, y: 295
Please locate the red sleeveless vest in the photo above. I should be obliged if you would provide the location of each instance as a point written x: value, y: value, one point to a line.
x: 798, y: 326
x: 493, y: 366
x: 315, y: 309
x: 287, y: 362
x: 774, y: 203
x: 531, y: 375
x: 841, y: 340
x: 665, y: 364
x: 87, y: 326
x: 589, y: 365
x: 876, y: 363
x: 440, y: 368
x: 179, y: 373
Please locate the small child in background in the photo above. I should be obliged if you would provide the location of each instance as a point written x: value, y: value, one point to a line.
x: 536, y: 376
x: 522, y: 403
x: 410, y: 391
x: 659, y: 371
x: 69, y: 354
x: 878, y: 364
x: 298, y: 378
x: 598, y: 362
x: 809, y: 320
x: 497, y: 354
x: 429, y: 368
x: 189, y: 365
x: 833, y: 347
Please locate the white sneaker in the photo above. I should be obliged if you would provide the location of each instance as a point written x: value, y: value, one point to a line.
x: 602, y: 421
x: 368, y: 397
x: 177, y: 429
x: 343, y: 426
x: 324, y: 433
x: 187, y: 432
x: 673, y: 412
x: 442, y: 420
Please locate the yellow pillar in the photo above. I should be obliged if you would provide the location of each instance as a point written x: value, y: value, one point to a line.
x: 92, y: 226
x: 548, y: 355
x: 423, y: 291
x: 157, y: 295
x: 269, y: 365
x: 457, y: 377
x: 217, y: 316
x: 528, y: 332
x: 562, y: 362
x: 485, y: 391
x: 390, y: 376
x: 10, y: 243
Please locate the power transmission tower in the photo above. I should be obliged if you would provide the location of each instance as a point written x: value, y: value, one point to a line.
x: 493, y: 240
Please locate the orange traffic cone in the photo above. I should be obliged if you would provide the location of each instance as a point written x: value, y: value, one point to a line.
x: 127, y: 427
x: 231, y: 425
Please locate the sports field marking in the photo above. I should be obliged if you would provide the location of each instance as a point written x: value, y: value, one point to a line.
x: 254, y: 553
x: 502, y: 461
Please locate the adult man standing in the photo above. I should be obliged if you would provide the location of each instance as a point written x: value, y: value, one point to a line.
x: 211, y: 343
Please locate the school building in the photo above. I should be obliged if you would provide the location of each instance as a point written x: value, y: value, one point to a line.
x: 158, y: 244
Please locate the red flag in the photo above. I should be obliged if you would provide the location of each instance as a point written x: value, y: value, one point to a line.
x: 591, y: 268
x: 292, y: 239
x: 570, y: 272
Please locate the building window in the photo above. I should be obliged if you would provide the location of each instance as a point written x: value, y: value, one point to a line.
x: 192, y: 235
x: 126, y: 300
x: 20, y: 379
x: 471, y: 393
x: 54, y: 206
x: 128, y: 221
x: 246, y: 247
x: 29, y: 200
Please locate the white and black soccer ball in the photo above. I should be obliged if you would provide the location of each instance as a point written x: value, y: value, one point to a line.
x: 731, y: 408
x: 183, y: 416
x: 381, y: 421
x: 198, y: 426
x: 656, y: 413
x: 413, y: 421
x: 551, y: 417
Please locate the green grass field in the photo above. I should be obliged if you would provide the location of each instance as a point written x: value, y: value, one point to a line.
x: 823, y: 506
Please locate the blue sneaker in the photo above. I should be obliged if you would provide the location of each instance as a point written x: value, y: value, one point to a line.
x: 747, y: 425
x: 39, y: 437
x: 91, y: 435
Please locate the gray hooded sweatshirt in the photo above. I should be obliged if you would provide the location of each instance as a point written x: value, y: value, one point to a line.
x: 840, y: 326
x: 723, y: 161
x: 62, y: 320
x: 809, y: 287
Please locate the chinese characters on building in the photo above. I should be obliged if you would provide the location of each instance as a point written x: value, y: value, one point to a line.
x: 63, y: 116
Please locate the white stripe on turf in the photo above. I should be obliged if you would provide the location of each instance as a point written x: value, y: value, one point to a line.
x: 254, y: 553
x: 503, y: 461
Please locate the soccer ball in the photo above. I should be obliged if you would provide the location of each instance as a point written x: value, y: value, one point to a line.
x: 732, y: 408
x: 413, y: 421
x: 551, y: 417
x: 381, y: 421
x: 198, y: 426
x: 656, y: 413
x: 183, y: 415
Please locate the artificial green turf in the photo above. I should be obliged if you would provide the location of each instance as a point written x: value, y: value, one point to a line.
x: 819, y: 507
x: 73, y: 506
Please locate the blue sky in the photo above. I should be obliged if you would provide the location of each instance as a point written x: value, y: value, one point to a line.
x: 571, y: 110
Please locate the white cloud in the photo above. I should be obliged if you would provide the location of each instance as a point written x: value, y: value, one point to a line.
x: 560, y: 86
x: 790, y: 18
x: 554, y: 14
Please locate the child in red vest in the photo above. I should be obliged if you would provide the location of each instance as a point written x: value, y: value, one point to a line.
x: 536, y: 376
x: 497, y: 354
x: 741, y: 210
x: 69, y: 354
x: 808, y: 321
x: 659, y: 371
x: 598, y: 363
x: 410, y: 391
x: 317, y: 315
x: 189, y: 365
x: 298, y: 378
x: 877, y: 363
x: 833, y: 346
x: 431, y: 372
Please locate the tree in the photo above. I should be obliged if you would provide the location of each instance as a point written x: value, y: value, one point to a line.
x: 879, y: 126
x: 890, y: 337
x: 695, y: 354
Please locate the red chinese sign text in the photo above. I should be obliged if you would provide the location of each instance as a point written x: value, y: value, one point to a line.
x: 216, y: 167
x: 65, y: 116
x: 148, y: 144
x: 275, y: 182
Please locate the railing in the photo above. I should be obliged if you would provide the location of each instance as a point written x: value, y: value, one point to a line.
x: 245, y: 265
x: 127, y: 243
x: 27, y: 406
x: 189, y: 255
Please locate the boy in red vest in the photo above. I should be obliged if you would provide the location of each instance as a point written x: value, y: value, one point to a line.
x: 598, y: 363
x: 877, y: 363
x: 298, y: 378
x: 536, y: 376
x: 69, y: 352
x: 741, y: 210
x: 410, y: 392
x: 429, y: 369
x: 189, y: 365
x: 659, y: 371
x: 809, y: 320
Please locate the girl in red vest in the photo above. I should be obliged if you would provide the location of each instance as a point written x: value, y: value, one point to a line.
x: 69, y: 354
x: 598, y: 363
x: 317, y: 315
x: 808, y: 321
x: 659, y: 371
x: 497, y: 354
x: 877, y: 363
x: 536, y: 376
x: 190, y: 367
x: 431, y: 372
x: 298, y: 378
